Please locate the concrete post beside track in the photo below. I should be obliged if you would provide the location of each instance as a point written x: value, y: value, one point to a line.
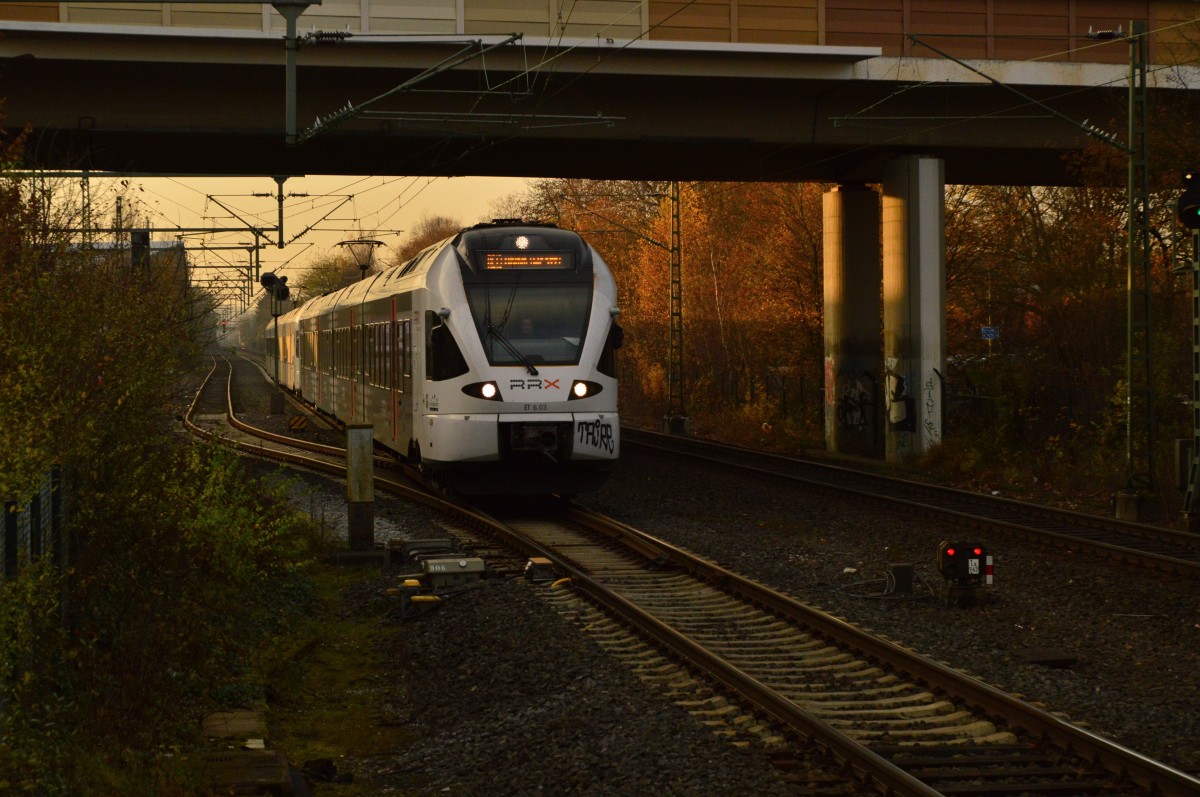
x: 360, y: 486
x: 914, y: 305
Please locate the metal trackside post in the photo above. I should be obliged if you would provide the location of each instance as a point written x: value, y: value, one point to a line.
x: 677, y: 421
x: 360, y: 486
x: 277, y: 404
x: 290, y: 11
x: 1193, y: 483
x: 1139, y: 419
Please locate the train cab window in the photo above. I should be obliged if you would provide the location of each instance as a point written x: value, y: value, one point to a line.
x: 537, y: 323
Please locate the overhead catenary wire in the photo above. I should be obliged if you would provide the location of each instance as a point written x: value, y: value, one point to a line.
x: 544, y: 68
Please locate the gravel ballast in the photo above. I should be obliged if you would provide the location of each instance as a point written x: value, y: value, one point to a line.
x: 505, y: 696
x: 1135, y: 635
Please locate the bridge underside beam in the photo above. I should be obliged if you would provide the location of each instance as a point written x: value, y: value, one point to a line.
x: 220, y: 118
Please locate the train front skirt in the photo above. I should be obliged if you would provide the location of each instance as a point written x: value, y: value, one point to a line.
x: 542, y: 453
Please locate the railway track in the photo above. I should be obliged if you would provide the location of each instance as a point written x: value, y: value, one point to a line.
x: 211, y: 415
x: 902, y: 723
x: 887, y: 719
x: 1149, y: 546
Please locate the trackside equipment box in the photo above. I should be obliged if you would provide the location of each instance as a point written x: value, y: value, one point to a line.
x: 452, y: 572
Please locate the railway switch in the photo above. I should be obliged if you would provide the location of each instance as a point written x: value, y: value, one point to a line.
x: 411, y: 551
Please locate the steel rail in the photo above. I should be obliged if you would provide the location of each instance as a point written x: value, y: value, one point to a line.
x: 868, y: 767
x: 1146, y: 772
x: 289, y: 457
x: 872, y: 770
x: 1031, y: 520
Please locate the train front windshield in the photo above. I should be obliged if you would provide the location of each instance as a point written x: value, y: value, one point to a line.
x: 523, y: 323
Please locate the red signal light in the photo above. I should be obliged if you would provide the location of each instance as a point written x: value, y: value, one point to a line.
x: 949, y: 552
x: 978, y: 551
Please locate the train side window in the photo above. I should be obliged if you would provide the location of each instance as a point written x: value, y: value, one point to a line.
x: 357, y: 366
x: 443, y: 358
x: 394, y: 354
x: 381, y: 372
x: 339, y: 346
x: 386, y: 354
x: 372, y: 352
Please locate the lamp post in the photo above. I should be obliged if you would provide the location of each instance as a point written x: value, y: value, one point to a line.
x: 363, y: 252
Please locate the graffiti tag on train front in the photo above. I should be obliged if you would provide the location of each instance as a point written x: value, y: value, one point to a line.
x: 596, y: 434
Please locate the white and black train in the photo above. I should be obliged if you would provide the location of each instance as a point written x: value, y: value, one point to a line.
x: 488, y: 359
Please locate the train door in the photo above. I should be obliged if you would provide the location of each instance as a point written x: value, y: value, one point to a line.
x: 402, y: 429
x: 322, y: 361
x: 297, y: 370
x: 362, y: 409
x: 394, y: 355
x: 353, y: 415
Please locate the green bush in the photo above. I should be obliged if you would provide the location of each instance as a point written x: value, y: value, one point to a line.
x: 183, y: 570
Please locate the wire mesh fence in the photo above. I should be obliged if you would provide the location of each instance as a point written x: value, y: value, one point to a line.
x: 35, y: 529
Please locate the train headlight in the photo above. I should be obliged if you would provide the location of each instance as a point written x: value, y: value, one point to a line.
x: 484, y: 390
x: 581, y: 389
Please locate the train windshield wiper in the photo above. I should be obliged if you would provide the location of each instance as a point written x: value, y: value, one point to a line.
x: 517, y: 355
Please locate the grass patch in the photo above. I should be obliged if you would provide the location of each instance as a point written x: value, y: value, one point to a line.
x: 329, y: 688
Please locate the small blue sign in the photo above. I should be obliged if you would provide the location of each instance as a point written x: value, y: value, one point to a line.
x: 991, y: 333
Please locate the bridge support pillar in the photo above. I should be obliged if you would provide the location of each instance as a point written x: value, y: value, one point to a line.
x: 852, y: 362
x: 914, y: 299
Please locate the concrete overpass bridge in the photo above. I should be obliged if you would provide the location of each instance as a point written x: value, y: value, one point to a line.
x: 909, y: 94
x: 708, y: 90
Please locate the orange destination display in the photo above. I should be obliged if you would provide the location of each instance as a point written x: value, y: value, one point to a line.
x: 506, y: 260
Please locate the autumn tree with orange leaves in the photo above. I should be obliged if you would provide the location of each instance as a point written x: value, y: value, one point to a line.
x: 751, y: 297
x: 1044, y: 266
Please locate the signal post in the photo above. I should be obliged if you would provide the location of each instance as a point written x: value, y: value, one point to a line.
x: 360, y: 486
x: 1189, y: 216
